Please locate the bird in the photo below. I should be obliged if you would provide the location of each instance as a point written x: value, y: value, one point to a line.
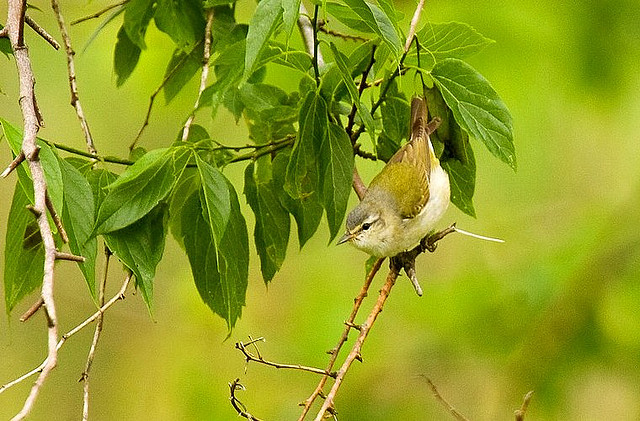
x: 404, y: 202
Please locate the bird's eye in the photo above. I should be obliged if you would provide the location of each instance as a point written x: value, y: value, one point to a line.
x: 366, y: 226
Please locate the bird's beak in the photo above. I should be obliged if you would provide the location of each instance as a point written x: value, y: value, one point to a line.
x: 346, y: 237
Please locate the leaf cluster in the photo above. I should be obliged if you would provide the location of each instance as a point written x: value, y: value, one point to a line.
x: 300, y: 158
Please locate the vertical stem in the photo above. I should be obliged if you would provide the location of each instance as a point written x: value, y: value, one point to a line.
x: 314, y: 22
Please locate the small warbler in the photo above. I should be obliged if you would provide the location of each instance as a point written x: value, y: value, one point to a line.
x: 405, y: 200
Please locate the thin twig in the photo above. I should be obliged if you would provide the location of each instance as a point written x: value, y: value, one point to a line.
x: 358, y: 184
x: 119, y: 296
x: 355, y: 353
x: 258, y: 358
x: 32, y: 310
x: 13, y: 165
x: 349, y: 324
x: 457, y: 415
x: 56, y: 219
x: 520, y: 413
x: 240, y: 408
x: 413, y: 25
x: 264, y: 151
x: 99, y: 13
x: 96, y: 337
x: 322, y: 27
x: 68, y: 256
x: 363, y: 84
x: 73, y: 84
x: 155, y: 93
x: 32, y: 121
x: 308, y: 33
x: 41, y: 31
x: 203, y: 76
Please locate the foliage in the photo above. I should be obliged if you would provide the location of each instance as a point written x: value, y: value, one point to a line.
x: 301, y: 158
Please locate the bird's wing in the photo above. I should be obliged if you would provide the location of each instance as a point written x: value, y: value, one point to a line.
x: 415, y: 155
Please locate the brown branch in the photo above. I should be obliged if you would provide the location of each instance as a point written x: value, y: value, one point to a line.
x: 71, y: 70
x: 153, y: 96
x: 322, y: 27
x: 99, y: 13
x: 13, y: 165
x: 96, y: 336
x: 56, y: 219
x: 41, y: 31
x: 68, y: 256
x: 258, y: 358
x: 363, y: 84
x: 457, y: 415
x: 357, y: 150
x: 355, y: 352
x: 39, y: 369
x: 203, y: 76
x: 349, y: 323
x: 520, y: 413
x: 358, y: 184
x: 413, y: 25
x: 32, y: 121
x: 240, y: 408
x: 32, y: 310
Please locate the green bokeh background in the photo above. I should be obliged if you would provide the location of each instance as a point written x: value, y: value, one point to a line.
x: 555, y: 310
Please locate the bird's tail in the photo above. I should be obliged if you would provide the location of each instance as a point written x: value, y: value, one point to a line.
x: 419, y: 122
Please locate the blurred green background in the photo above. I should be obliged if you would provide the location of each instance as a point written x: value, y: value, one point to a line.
x: 555, y: 310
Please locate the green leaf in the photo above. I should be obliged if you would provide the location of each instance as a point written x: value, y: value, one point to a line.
x: 336, y: 157
x: 307, y: 211
x: 140, y: 188
x: 220, y: 273
x: 395, y: 117
x: 379, y: 22
x: 140, y: 246
x: 217, y: 199
x: 99, y: 179
x: 5, y: 45
x: 78, y: 217
x: 451, y: 40
x: 271, y: 233
x: 50, y: 166
x: 23, y: 253
x: 180, y: 71
x: 137, y: 15
x: 182, y: 20
x: 213, y: 3
x: 476, y: 107
x: 125, y: 57
x: 302, y: 175
x: 290, y: 10
x: 267, y: 16
x: 348, y: 17
x: 461, y: 167
x: 188, y: 183
x: 361, y: 108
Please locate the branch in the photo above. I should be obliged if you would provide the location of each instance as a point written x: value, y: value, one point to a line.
x: 413, y: 25
x: 13, y: 165
x: 363, y: 84
x: 119, y: 296
x: 308, y: 34
x: 349, y: 324
x: 204, y: 75
x: 41, y: 31
x: 96, y: 336
x: 99, y: 13
x: 322, y: 27
x: 240, y: 408
x: 457, y: 415
x: 56, y: 219
x: 258, y: 358
x: 155, y: 93
x: 520, y: 413
x: 32, y: 121
x: 355, y: 353
x: 71, y: 70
